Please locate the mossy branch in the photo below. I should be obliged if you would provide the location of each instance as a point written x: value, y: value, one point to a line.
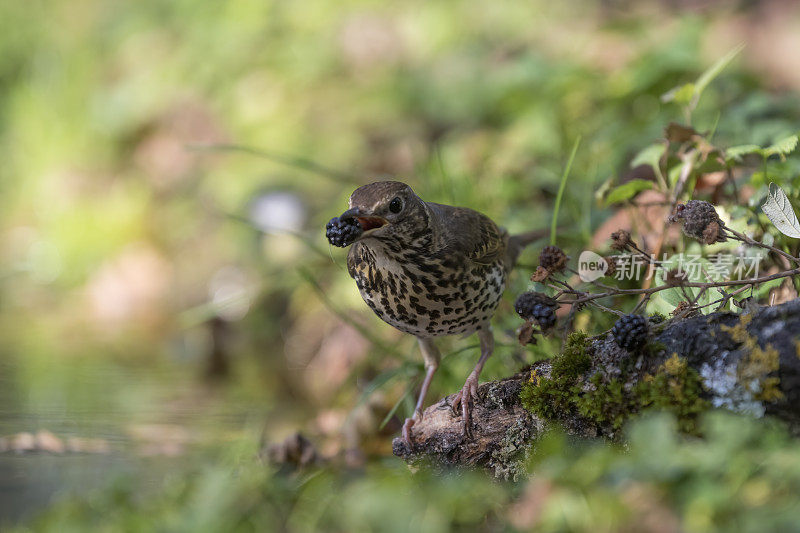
x: 746, y: 362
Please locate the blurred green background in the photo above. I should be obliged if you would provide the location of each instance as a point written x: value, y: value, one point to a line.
x: 168, y: 302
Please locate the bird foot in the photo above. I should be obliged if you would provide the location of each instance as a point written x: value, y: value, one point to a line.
x: 407, y: 425
x: 465, y: 399
x: 407, y: 431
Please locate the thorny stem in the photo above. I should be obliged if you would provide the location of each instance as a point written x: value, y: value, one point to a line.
x: 641, y: 303
x: 726, y: 298
x: 565, y: 284
x: 569, y: 290
x: 641, y: 252
x: 587, y: 297
x: 583, y: 297
x: 607, y: 309
x: 752, y: 242
x: 696, y: 299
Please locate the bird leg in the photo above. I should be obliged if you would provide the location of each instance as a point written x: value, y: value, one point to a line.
x: 465, y: 397
x: 430, y: 354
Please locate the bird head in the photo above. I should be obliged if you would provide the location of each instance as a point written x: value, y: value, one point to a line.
x: 386, y: 210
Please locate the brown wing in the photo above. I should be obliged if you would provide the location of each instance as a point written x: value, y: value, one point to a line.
x: 470, y: 234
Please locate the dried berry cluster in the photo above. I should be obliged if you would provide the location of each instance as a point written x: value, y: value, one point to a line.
x: 342, y: 233
x: 551, y: 259
x: 621, y: 240
x: 700, y: 221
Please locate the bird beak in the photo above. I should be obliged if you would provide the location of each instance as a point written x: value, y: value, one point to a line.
x: 367, y: 222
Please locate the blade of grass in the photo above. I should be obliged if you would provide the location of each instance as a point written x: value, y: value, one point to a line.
x: 562, y: 185
x: 397, y: 404
x: 289, y: 160
x: 713, y: 71
x: 460, y: 350
x: 384, y: 378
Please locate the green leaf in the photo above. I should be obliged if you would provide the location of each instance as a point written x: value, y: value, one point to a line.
x: 736, y: 152
x: 762, y: 289
x: 666, y: 301
x: 706, y: 298
x: 602, y: 190
x: 682, y: 94
x: 673, y: 174
x: 650, y: 156
x: 779, y: 210
x: 627, y: 191
x: 673, y: 296
x: 711, y: 164
x: 782, y: 147
x: 689, y: 94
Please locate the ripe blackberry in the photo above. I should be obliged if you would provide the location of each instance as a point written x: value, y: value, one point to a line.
x: 342, y: 233
x: 630, y: 332
x: 537, y: 306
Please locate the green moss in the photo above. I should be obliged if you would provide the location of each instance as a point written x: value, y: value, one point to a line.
x: 574, y: 360
x: 674, y: 387
x: 546, y: 397
x: 608, y: 403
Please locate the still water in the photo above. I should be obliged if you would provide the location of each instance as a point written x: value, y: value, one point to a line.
x: 101, y: 421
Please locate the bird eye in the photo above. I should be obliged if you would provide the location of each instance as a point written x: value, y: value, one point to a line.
x: 396, y: 205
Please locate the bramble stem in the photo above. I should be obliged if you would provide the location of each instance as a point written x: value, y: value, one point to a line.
x: 752, y: 242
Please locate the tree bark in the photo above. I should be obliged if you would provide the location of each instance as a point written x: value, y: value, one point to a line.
x: 749, y: 363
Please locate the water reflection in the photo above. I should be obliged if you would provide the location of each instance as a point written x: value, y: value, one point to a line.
x: 101, y: 421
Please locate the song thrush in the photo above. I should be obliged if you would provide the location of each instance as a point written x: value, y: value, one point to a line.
x: 429, y: 270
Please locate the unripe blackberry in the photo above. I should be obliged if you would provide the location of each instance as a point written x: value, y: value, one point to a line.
x: 342, y: 233
x: 630, y: 332
x: 552, y: 258
x: 537, y: 306
x: 700, y: 221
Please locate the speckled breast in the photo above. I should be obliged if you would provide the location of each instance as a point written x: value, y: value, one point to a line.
x: 424, y: 296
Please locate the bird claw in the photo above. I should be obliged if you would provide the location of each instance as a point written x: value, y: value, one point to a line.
x: 465, y: 399
x: 407, y: 431
x: 408, y: 424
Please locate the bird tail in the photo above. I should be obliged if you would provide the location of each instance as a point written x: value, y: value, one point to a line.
x: 516, y: 243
